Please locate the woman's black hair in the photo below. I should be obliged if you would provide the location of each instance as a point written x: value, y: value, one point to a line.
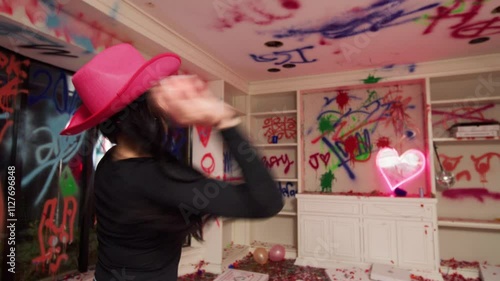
x: 139, y: 123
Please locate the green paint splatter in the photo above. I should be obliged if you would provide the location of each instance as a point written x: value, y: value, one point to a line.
x: 326, y: 124
x: 326, y: 181
x: 424, y: 20
x: 67, y: 183
x: 372, y: 79
x: 372, y: 96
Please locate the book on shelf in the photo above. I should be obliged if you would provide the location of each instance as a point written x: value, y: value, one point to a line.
x: 475, y: 127
x: 475, y: 134
x: 241, y: 275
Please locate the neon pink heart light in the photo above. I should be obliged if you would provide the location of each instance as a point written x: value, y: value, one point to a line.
x: 397, y: 170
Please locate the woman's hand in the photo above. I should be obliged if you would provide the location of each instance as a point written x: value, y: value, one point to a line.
x: 188, y: 101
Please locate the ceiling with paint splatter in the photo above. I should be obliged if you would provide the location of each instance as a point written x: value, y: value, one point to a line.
x: 270, y: 39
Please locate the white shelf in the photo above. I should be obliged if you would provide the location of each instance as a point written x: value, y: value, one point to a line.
x: 461, y: 223
x: 274, y: 113
x: 276, y: 145
x: 285, y: 179
x: 287, y: 214
x: 239, y: 112
x: 469, y: 101
x: 468, y: 139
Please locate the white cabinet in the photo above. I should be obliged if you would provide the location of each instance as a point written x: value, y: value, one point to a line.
x: 340, y: 230
x: 380, y: 240
x: 343, y: 234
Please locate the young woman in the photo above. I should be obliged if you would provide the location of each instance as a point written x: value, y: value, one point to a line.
x: 146, y: 200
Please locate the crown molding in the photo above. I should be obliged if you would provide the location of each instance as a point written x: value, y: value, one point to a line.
x: 151, y: 29
x: 434, y: 69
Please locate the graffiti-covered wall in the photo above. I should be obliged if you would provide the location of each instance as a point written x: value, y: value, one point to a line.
x: 37, y: 101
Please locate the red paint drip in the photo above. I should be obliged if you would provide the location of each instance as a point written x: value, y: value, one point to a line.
x: 290, y: 4
x: 342, y: 99
x: 351, y: 145
x: 383, y: 142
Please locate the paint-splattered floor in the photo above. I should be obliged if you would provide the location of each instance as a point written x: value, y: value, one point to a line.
x: 287, y: 271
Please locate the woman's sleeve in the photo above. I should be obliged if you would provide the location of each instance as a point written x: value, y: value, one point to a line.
x: 257, y: 197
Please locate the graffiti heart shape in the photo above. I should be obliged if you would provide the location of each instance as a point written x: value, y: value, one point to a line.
x: 398, y: 170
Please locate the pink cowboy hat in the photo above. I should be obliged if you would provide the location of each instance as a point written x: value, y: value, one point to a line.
x: 112, y: 80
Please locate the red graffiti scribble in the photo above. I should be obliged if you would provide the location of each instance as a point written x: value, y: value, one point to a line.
x: 9, y: 89
x: 313, y: 159
x: 204, y: 134
x: 342, y: 100
x: 281, y: 127
x: 210, y: 166
x: 383, y: 142
x: 53, y: 239
x: 477, y: 193
x: 397, y: 115
x: 451, y: 163
x: 277, y: 161
x: 465, y: 29
x: 465, y: 113
x: 462, y: 174
x: 290, y: 4
x: 249, y: 11
x: 482, y: 167
x: 351, y: 145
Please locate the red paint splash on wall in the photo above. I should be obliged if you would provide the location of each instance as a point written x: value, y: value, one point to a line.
x: 342, y: 100
x: 351, y: 145
x: 478, y: 193
x: 290, y: 4
x: 282, y: 127
x: 383, y: 142
x: 53, y: 239
x: 482, y: 164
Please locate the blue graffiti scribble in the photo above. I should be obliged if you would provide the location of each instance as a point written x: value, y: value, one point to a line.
x: 228, y: 165
x: 286, y: 56
x: 56, y: 151
x: 56, y: 91
x: 176, y: 141
x: 382, y: 14
x: 411, y: 67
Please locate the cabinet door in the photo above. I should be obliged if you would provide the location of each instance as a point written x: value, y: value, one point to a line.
x: 379, y: 241
x: 415, y: 244
x: 313, y: 239
x: 344, y: 239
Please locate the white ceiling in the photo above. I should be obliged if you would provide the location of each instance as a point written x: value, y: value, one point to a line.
x: 322, y: 36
